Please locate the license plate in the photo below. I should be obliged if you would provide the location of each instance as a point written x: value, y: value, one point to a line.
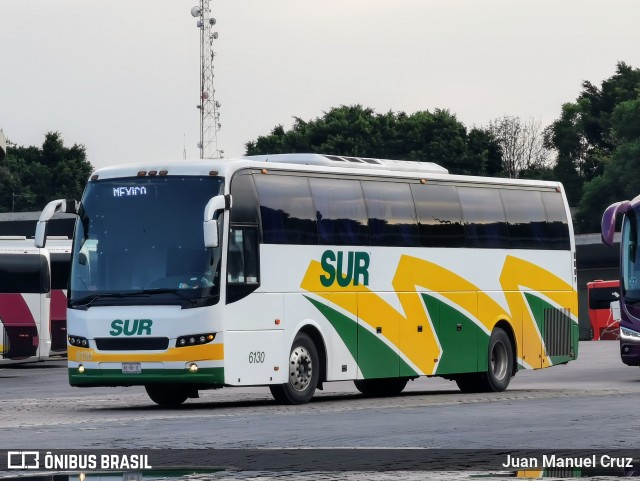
x: 131, y: 368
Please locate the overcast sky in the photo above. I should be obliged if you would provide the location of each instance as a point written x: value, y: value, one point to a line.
x: 122, y: 76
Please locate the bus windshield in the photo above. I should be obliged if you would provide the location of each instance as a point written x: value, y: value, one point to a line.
x: 140, y: 241
x: 630, y: 261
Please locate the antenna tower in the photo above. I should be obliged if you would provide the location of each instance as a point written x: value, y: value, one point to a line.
x: 209, y: 107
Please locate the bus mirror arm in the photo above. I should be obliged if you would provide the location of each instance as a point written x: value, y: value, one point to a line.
x: 212, y: 211
x: 59, y: 205
x: 608, y: 224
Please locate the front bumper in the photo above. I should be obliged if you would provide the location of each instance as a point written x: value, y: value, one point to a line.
x: 209, y: 377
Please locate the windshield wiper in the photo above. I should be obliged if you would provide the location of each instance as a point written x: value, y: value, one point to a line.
x: 86, y: 301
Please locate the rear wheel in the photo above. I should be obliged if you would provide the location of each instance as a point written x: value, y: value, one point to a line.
x: 381, y: 387
x: 500, y: 361
x: 167, y: 395
x: 304, y: 372
x: 499, y: 367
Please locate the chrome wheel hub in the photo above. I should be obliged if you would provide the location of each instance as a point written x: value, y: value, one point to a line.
x: 300, y: 368
x: 499, y: 361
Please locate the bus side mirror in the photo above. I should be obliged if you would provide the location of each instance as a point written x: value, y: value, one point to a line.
x: 608, y: 223
x: 211, y: 233
x: 60, y: 205
x: 212, y: 211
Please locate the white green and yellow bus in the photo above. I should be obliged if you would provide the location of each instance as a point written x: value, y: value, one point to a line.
x: 292, y: 271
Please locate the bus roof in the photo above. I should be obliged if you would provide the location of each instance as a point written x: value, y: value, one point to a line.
x: 316, y: 163
x: 18, y: 246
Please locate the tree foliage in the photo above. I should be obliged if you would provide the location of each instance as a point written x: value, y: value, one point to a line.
x: 597, y: 140
x: 524, y: 153
x: 32, y: 176
x: 436, y: 136
x: 584, y: 137
x: 621, y: 177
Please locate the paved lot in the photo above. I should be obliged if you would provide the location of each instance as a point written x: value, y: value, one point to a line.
x: 587, y: 404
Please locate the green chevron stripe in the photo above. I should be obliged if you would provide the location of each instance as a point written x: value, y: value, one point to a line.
x: 460, y: 345
x: 374, y: 357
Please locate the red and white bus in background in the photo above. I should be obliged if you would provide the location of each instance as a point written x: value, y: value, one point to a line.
x: 604, y: 310
x: 32, y: 299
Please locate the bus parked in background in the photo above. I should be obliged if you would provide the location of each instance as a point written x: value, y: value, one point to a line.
x: 291, y: 271
x: 60, y: 258
x: 24, y: 302
x: 629, y: 274
x: 603, y: 297
x: 32, y: 285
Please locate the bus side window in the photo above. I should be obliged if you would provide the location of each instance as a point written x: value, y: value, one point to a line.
x: 235, y: 258
x: 557, y: 222
x: 242, y: 262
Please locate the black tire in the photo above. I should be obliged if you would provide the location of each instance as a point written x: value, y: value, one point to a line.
x: 499, y: 367
x: 167, y: 395
x: 391, y: 386
x: 304, y: 372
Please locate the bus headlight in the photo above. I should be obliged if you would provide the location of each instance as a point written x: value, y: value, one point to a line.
x: 195, y: 340
x: 193, y: 368
x: 78, y: 341
x: 629, y: 334
x: 81, y: 369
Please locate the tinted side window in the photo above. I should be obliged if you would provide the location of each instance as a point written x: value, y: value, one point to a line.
x: 392, y: 216
x: 484, y: 220
x: 526, y: 218
x: 439, y: 215
x: 28, y: 273
x: 242, y: 263
x: 557, y: 224
x: 245, y: 200
x: 60, y: 267
x: 286, y: 209
x: 341, y: 212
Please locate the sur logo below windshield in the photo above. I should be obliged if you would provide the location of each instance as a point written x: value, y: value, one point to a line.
x: 131, y: 327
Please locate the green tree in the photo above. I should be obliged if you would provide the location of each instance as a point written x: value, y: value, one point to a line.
x: 32, y: 176
x: 583, y: 137
x: 621, y: 177
x: 436, y: 136
x: 484, y: 150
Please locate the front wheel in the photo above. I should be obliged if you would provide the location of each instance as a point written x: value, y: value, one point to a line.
x: 167, y: 395
x: 304, y: 372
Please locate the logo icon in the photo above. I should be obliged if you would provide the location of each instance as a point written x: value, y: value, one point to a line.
x: 23, y: 459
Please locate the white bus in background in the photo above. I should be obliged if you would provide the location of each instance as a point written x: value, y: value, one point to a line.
x: 291, y: 271
x: 31, y: 283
